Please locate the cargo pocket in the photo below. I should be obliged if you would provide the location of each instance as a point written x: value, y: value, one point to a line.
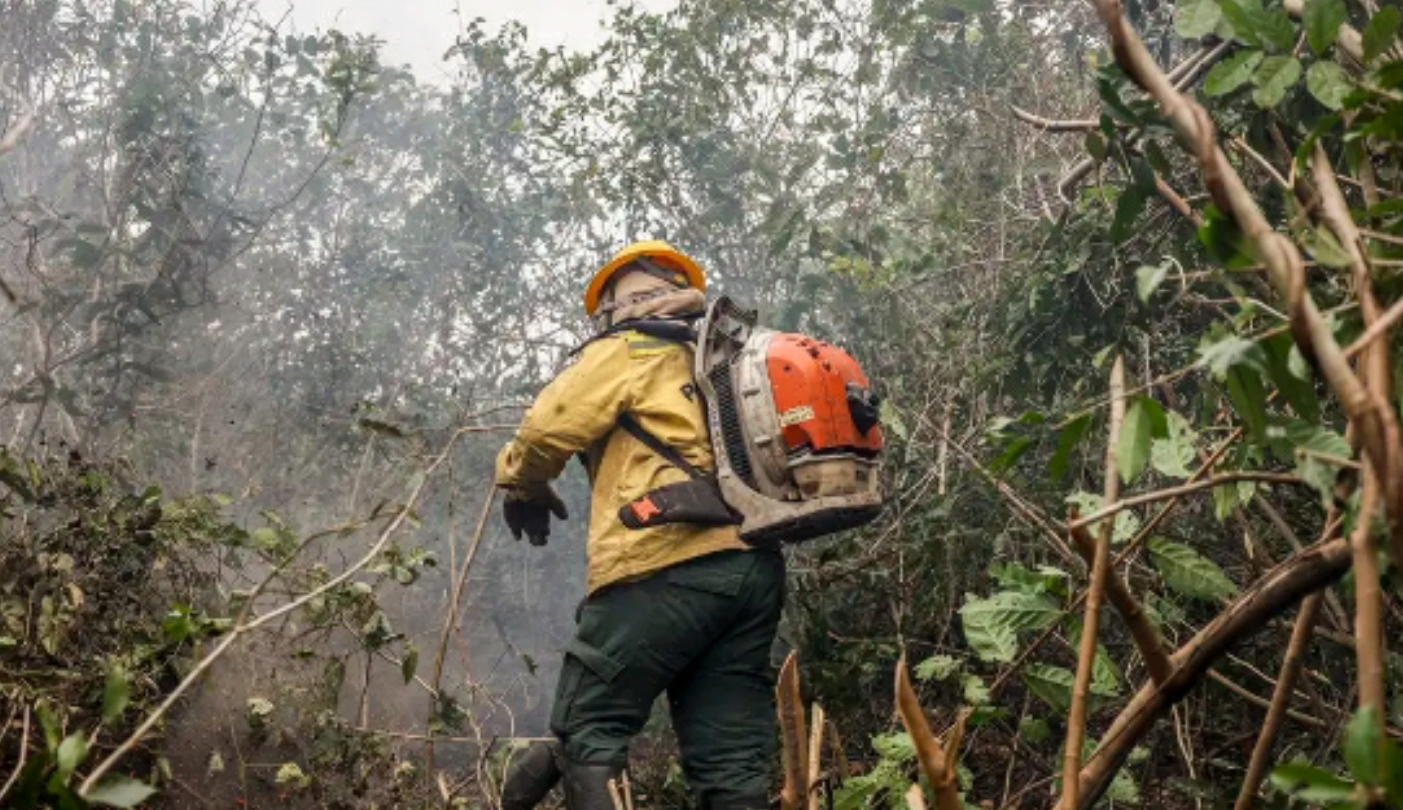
x: 585, y: 675
x: 718, y: 574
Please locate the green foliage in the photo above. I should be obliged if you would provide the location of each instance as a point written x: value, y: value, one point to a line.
x: 1188, y: 573
x: 992, y: 625
x: 1323, y: 19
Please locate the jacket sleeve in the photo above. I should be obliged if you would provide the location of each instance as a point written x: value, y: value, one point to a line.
x: 575, y: 410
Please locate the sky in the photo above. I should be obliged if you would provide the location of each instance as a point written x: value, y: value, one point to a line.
x: 418, y: 32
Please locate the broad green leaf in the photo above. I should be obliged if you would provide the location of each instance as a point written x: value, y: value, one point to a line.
x: 119, y: 791
x: 1329, y: 83
x: 1293, y: 378
x: 1274, y: 77
x: 71, y: 753
x: 1188, y: 573
x: 1316, y: 450
x: 1128, y: 207
x: 1096, y: 146
x: 1323, y: 19
x: 1054, y: 684
x: 1196, y: 18
x: 1045, y: 580
x: 1173, y: 454
x: 1379, y: 34
x: 1249, y: 398
x: 1229, y: 352
x: 1231, y: 73
x: 1034, y: 729
x: 1361, y: 747
x: 409, y: 663
x: 1133, y: 446
x: 1244, y: 17
x: 1311, y: 784
x: 1148, y: 277
x: 1127, y: 522
x: 937, y: 668
x: 115, y: 694
x: 991, y: 625
x: 1067, y: 441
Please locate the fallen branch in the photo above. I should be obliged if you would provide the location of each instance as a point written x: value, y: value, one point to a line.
x: 1292, y: 580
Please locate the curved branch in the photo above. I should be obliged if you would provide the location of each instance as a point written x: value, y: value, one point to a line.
x: 1298, y: 576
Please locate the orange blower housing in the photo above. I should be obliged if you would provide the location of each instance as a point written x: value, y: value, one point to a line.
x: 793, y: 425
x: 811, y: 381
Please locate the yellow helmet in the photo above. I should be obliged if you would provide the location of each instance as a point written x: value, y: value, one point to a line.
x: 660, y: 253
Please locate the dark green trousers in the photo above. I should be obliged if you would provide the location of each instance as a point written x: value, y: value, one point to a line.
x: 701, y: 631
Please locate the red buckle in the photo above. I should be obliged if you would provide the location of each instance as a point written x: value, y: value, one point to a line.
x: 644, y: 508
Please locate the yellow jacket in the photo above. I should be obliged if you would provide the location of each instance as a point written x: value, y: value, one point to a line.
x: 651, y: 379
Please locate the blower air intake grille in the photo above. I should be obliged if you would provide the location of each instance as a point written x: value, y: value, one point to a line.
x: 731, y: 435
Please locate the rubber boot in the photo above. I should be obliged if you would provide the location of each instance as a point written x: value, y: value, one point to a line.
x: 587, y: 785
x: 533, y: 771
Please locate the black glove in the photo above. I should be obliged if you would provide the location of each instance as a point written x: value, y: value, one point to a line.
x: 530, y: 513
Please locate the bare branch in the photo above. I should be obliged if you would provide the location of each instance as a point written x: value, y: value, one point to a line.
x: 1096, y: 593
x: 1280, y: 699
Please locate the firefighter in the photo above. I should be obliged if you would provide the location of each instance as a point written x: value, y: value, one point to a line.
x: 681, y: 607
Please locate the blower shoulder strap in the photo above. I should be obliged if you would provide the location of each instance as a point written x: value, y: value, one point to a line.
x: 651, y: 440
x: 680, y: 329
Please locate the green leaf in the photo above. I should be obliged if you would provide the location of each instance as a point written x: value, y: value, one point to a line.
x: 1311, y: 784
x: 1128, y: 207
x: 71, y: 753
x: 1292, y: 377
x: 1329, y: 83
x: 1274, y: 77
x: 409, y: 664
x: 1127, y: 522
x: 1188, y: 573
x: 1361, y: 746
x: 1196, y: 18
x: 1034, y: 729
x: 976, y: 692
x: 1231, y: 73
x: 119, y: 791
x: 1231, y: 351
x: 1249, y: 398
x: 1133, y: 445
x: 1315, y: 446
x: 1148, y: 277
x: 1323, y: 19
x: 1173, y: 454
x: 1071, y: 436
x: 1096, y: 146
x: 1053, y: 685
x: 991, y: 625
x: 1380, y: 32
x: 937, y: 668
x: 115, y: 694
